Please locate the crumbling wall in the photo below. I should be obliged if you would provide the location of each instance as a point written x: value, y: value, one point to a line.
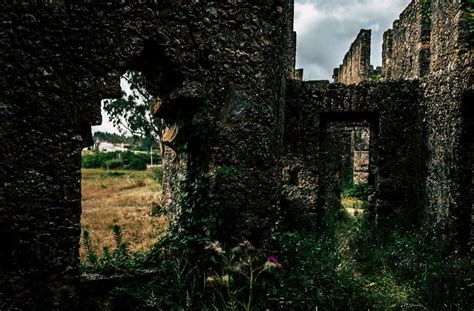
x: 430, y: 42
x: 392, y: 112
x: 360, y: 154
x: 406, y: 47
x: 219, y: 68
x: 356, y: 66
x: 446, y: 89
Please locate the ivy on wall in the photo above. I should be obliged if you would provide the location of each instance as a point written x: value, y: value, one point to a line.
x: 468, y: 5
x: 426, y: 8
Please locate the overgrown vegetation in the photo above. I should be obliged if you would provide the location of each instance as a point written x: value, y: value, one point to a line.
x: 119, y: 259
x: 358, y: 191
x: 348, y: 265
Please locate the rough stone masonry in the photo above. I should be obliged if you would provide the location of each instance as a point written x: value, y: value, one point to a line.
x: 240, y: 128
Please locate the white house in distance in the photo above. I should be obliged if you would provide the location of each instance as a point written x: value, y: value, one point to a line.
x: 107, y: 147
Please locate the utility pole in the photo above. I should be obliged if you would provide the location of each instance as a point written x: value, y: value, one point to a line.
x: 151, y: 155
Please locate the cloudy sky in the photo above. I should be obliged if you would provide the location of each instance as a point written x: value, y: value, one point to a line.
x: 326, y: 29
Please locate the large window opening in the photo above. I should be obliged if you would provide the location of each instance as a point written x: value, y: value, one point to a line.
x: 121, y: 178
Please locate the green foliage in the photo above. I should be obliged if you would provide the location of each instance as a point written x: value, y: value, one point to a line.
x: 120, y: 260
x: 243, y: 277
x: 117, y: 160
x: 348, y: 265
x: 468, y: 6
x: 353, y: 266
x: 426, y: 8
x: 136, y: 164
x: 416, y: 268
x: 315, y: 271
x: 113, y: 164
x: 132, y: 111
x: 226, y: 171
x: 91, y: 256
x: 377, y: 78
x: 358, y: 191
x: 96, y: 159
x: 158, y: 174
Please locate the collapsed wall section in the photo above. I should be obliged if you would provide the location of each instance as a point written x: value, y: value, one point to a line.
x: 356, y: 66
x: 406, y: 47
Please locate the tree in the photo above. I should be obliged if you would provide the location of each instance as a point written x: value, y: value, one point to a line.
x: 132, y: 112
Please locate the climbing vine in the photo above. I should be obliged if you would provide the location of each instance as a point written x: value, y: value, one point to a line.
x: 468, y: 5
x: 426, y: 8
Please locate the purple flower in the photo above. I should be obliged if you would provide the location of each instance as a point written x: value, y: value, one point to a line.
x: 274, y: 260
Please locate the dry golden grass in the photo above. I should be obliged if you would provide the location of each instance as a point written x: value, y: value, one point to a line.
x: 123, y: 198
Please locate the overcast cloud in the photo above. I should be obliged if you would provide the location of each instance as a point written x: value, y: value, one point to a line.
x: 326, y: 29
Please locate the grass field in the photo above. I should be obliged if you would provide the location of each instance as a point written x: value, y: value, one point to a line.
x: 124, y: 198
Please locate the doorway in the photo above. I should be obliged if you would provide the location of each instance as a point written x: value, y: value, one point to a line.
x: 348, y: 163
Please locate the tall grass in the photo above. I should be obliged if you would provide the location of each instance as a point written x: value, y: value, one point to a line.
x: 121, y: 198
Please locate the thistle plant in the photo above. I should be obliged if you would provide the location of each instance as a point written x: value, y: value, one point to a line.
x: 91, y: 255
x: 241, y: 271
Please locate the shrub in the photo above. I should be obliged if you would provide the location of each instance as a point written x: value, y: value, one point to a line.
x: 158, y: 174
x: 136, y: 164
x: 93, y: 160
x: 113, y: 164
x: 97, y: 159
x: 116, y: 160
x: 358, y: 191
x: 119, y: 260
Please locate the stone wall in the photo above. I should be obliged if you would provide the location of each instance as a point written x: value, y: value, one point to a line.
x: 360, y: 139
x: 235, y: 124
x: 356, y: 66
x: 220, y: 70
x: 430, y: 42
x: 406, y: 47
x: 391, y: 109
x: 447, y: 122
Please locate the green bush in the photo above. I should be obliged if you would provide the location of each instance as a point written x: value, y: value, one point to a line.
x: 358, y: 191
x: 113, y: 164
x: 136, y: 164
x: 96, y: 159
x: 116, y: 160
x: 119, y: 260
x: 158, y: 174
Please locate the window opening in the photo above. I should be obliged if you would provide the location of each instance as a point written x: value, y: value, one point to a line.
x: 121, y: 177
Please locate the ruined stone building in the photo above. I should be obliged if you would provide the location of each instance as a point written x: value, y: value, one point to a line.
x: 244, y: 129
